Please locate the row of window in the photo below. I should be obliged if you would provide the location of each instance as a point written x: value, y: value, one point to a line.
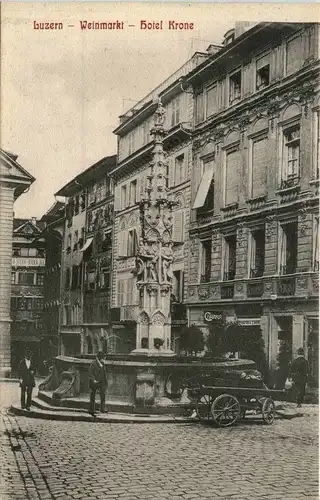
x: 26, y: 303
x: 253, y: 77
x: 76, y: 205
x: 73, y: 278
x: 71, y: 315
x: 27, y: 278
x: 77, y: 239
x: 258, y: 151
x: 132, y: 191
x: 287, y: 252
x: 95, y: 194
x: 26, y: 328
x: 99, y: 313
x: 129, y: 194
x: 28, y: 252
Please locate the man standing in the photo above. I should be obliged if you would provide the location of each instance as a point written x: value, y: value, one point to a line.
x: 97, y: 381
x: 299, y: 372
x: 27, y: 372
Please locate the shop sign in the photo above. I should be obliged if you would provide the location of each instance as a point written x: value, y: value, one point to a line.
x: 249, y: 321
x: 212, y: 316
x: 27, y: 262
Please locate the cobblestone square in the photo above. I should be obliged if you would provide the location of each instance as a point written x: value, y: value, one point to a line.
x: 82, y: 460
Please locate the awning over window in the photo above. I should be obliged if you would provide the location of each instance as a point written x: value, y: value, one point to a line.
x: 86, y: 245
x: 77, y: 258
x: 203, y: 188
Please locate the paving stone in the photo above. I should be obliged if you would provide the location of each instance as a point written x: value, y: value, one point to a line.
x: 82, y: 461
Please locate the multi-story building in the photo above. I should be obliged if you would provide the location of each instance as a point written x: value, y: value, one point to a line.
x: 254, y: 231
x: 71, y: 281
x: 135, y: 147
x: 14, y: 181
x: 86, y: 260
x: 98, y: 256
x: 27, y: 278
x: 54, y: 220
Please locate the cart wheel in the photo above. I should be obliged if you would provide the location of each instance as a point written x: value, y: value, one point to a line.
x: 203, y: 408
x: 225, y: 410
x: 268, y: 411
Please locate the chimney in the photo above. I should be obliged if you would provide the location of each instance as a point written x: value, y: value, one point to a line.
x: 213, y: 49
x: 242, y: 26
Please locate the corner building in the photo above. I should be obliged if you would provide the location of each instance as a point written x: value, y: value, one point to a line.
x: 254, y: 227
x: 27, y: 290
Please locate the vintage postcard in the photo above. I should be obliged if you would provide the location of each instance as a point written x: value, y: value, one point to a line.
x: 159, y: 251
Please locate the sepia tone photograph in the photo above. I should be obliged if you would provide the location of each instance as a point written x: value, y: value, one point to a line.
x: 159, y: 251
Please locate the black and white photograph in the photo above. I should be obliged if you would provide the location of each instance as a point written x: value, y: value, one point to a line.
x: 159, y: 251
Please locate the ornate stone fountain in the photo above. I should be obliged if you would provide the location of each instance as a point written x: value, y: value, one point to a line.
x: 151, y: 378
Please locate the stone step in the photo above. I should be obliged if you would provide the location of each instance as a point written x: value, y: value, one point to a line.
x: 115, y: 406
x: 50, y: 414
x: 82, y: 403
x: 43, y: 405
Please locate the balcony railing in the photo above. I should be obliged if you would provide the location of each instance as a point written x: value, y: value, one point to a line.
x: 255, y: 289
x: 291, y: 181
x: 286, y: 286
x: 227, y: 291
x: 205, y: 278
x: 256, y: 272
x: 229, y: 275
x: 288, y: 269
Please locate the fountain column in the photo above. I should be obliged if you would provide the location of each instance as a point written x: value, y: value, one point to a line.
x: 155, y: 255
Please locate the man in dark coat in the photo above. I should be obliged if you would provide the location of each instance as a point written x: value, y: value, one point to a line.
x: 27, y: 370
x: 97, y: 381
x: 299, y: 373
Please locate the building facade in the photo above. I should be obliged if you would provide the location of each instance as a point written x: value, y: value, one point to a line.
x: 254, y: 231
x: 131, y: 180
x: 86, y: 260
x: 27, y: 287
x: 54, y: 221
x: 98, y: 258
x: 14, y: 181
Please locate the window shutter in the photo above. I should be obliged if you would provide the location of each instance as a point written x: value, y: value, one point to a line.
x: 199, y: 107
x: 178, y: 226
x: 222, y: 95
x: 142, y: 186
x: 232, y: 176
x: 122, y: 243
x: 117, y: 198
x: 294, y: 55
x: 211, y: 101
x: 259, y: 167
x: 171, y: 171
x: 138, y: 190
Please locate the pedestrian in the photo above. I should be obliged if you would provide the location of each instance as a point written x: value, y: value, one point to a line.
x: 97, y: 381
x: 299, y: 373
x: 27, y: 370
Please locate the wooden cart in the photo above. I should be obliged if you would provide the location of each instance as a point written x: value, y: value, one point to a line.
x: 225, y: 405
